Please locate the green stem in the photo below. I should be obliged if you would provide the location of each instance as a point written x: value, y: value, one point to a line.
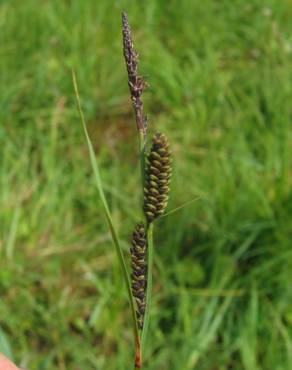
x: 142, y: 146
x: 149, y: 285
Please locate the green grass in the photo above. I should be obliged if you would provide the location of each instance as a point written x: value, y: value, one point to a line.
x: 220, y: 88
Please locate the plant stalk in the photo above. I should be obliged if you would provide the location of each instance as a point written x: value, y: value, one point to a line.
x: 142, y: 148
x: 136, y: 85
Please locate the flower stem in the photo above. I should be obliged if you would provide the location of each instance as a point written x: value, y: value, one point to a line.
x: 142, y: 147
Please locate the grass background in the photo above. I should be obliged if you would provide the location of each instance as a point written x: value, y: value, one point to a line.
x: 220, y: 87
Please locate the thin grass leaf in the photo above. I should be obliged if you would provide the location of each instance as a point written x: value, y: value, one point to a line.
x: 180, y: 207
x: 205, y: 337
x: 113, y: 232
x: 5, y: 347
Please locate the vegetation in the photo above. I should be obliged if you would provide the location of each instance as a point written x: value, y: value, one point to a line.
x: 220, y: 89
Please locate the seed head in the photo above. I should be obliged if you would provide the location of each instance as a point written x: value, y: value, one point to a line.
x: 158, y: 173
x: 136, y: 83
x: 139, y: 270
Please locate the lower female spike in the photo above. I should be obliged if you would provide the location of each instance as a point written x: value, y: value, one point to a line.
x: 139, y: 270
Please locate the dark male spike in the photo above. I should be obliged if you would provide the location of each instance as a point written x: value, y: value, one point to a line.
x: 139, y: 270
x: 136, y: 82
x: 158, y: 173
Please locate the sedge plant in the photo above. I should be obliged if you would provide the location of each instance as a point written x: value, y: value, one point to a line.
x: 155, y: 166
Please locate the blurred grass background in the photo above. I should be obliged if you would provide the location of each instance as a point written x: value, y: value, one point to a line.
x: 220, y: 77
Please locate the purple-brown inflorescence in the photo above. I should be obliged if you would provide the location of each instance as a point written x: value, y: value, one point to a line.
x: 139, y: 270
x: 136, y: 83
x: 158, y: 173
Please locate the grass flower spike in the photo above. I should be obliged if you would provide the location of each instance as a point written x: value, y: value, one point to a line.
x: 136, y: 82
x: 158, y: 173
x: 139, y: 270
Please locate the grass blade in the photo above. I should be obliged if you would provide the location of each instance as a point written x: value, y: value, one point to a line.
x: 5, y: 347
x: 180, y: 207
x: 113, y: 232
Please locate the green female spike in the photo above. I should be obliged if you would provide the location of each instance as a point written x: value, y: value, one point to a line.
x: 158, y: 173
